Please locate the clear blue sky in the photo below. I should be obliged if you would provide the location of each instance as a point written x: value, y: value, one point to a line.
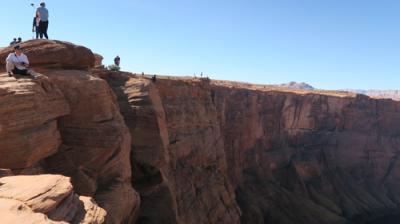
x: 330, y: 44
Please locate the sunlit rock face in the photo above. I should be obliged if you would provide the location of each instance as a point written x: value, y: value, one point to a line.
x: 183, y: 150
x: 67, y: 122
x: 289, y: 156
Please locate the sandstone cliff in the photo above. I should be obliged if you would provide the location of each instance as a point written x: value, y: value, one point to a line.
x: 290, y: 157
x: 195, y: 150
x: 67, y: 122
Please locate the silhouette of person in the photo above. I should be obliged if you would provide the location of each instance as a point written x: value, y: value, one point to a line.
x: 13, y: 42
x: 35, y: 25
x: 117, y: 60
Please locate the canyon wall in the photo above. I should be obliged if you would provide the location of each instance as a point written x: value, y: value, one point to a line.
x: 284, y: 156
x: 133, y: 149
x: 310, y: 158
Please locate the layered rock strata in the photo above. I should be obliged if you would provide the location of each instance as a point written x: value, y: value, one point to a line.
x: 200, y: 151
x: 178, y: 160
x: 67, y: 122
x: 291, y: 157
x: 45, y: 199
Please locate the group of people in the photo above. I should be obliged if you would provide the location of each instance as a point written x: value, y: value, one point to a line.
x: 41, y: 22
x: 16, y: 41
x: 17, y: 62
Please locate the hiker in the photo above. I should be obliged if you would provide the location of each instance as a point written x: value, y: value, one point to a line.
x: 44, y: 20
x: 17, y: 63
x: 19, y: 40
x: 117, y: 60
x: 13, y: 42
x: 154, y: 78
x: 35, y: 25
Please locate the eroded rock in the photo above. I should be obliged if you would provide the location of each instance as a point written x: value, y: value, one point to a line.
x: 53, y: 54
x: 28, y: 121
x: 96, y: 144
x: 45, y: 199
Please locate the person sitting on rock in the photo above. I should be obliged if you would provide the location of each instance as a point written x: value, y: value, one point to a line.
x: 19, y: 40
x: 13, y: 42
x: 17, y: 63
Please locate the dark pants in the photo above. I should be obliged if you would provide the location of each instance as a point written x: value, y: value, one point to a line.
x: 43, y: 25
x: 37, y: 29
x: 17, y: 71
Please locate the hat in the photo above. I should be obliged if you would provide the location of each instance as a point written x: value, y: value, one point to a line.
x: 17, y: 47
x: 42, y: 4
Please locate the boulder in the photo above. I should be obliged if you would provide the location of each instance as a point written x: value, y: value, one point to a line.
x: 98, y: 63
x: 53, y: 54
x: 45, y: 199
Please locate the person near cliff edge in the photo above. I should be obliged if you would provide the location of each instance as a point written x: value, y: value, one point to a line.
x: 44, y: 20
x: 117, y: 60
x: 17, y: 63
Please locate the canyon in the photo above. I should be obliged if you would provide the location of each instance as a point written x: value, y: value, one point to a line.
x: 100, y: 146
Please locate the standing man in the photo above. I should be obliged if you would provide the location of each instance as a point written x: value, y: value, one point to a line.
x: 44, y: 20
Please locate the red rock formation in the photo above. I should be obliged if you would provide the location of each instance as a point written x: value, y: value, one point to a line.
x: 310, y: 158
x: 53, y: 54
x: 305, y: 157
x: 67, y: 122
x: 28, y: 121
x: 98, y: 62
x: 200, y: 151
x: 45, y: 199
x: 177, y: 150
x: 96, y: 144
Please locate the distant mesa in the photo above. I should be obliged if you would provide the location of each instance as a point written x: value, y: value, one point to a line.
x: 381, y: 94
x: 297, y: 86
x: 373, y: 93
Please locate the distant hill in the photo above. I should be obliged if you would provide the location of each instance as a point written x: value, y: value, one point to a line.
x: 381, y: 94
x: 297, y: 85
x: 385, y: 94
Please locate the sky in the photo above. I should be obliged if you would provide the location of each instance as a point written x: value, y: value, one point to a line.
x: 330, y: 44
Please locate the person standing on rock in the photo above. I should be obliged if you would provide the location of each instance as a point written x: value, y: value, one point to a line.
x: 44, y: 20
x: 35, y: 25
x: 117, y: 60
x: 17, y: 63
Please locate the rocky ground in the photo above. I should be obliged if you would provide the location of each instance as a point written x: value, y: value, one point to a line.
x: 81, y: 144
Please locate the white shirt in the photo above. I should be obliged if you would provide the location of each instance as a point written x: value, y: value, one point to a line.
x: 17, y: 60
x: 37, y: 21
